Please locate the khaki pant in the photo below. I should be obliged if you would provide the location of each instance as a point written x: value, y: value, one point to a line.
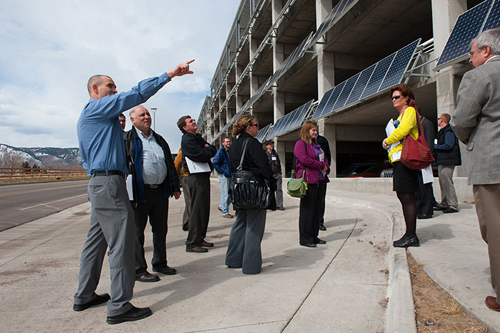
x: 448, y: 194
x: 487, y: 200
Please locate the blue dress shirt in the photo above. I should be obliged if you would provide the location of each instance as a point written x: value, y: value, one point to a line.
x: 99, y: 133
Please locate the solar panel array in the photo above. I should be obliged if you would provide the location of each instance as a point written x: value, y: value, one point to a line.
x: 290, y: 121
x: 384, y: 74
x: 261, y: 134
x: 333, y: 16
x: 469, y: 24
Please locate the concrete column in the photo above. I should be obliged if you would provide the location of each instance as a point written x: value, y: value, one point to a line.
x: 325, y: 60
x: 254, y: 80
x: 239, y: 103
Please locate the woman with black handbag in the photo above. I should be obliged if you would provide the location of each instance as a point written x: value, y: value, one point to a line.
x: 244, y: 250
x: 405, y: 180
x: 310, y: 159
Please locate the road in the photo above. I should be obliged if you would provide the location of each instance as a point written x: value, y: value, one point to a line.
x: 21, y: 203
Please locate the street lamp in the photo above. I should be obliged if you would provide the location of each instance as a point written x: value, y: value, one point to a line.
x: 153, y: 110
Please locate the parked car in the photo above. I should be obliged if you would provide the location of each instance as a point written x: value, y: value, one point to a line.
x: 354, y: 169
x: 373, y: 171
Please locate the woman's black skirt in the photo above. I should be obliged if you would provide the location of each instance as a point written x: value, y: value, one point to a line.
x: 404, y: 179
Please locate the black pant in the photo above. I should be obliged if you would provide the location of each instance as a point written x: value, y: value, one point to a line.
x: 310, y: 213
x: 424, y: 197
x: 199, y: 189
x: 156, y: 207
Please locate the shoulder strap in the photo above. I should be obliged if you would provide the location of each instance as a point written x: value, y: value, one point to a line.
x: 243, y: 154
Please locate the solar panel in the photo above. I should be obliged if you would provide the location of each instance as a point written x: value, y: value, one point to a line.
x: 378, y: 76
x: 468, y: 25
x: 290, y: 121
x: 335, y: 95
x: 399, y: 66
x: 344, y: 95
x: 361, y: 84
x: 261, y: 134
x: 493, y: 20
x: 333, y: 16
x: 322, y: 104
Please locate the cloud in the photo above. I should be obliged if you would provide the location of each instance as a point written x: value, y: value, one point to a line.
x: 51, y: 48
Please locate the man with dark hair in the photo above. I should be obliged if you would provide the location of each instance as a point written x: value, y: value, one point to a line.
x: 447, y: 154
x: 196, y: 155
x: 112, y: 219
x: 476, y: 123
x: 275, y: 163
x: 223, y: 168
x: 154, y: 181
x: 325, y: 146
x: 424, y: 196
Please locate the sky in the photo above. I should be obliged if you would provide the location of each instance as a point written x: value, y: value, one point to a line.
x: 51, y: 48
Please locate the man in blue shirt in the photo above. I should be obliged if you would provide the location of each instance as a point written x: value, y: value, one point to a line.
x: 112, y: 219
x: 223, y: 167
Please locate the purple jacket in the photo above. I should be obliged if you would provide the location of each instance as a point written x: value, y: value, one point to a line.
x: 308, y: 161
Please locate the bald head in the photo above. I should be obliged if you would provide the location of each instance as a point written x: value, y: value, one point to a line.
x: 140, y: 117
x: 99, y: 86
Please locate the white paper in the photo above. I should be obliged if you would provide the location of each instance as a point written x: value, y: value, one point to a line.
x: 388, y: 130
x: 396, y: 156
x: 427, y: 176
x: 197, y: 167
x: 130, y: 187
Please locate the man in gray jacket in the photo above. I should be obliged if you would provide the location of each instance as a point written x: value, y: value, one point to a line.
x: 476, y: 123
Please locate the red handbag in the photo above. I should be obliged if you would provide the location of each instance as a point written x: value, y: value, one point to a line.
x: 416, y: 154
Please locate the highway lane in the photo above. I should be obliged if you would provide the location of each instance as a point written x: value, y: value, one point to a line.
x: 21, y: 203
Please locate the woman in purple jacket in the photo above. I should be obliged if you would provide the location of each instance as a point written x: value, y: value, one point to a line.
x: 310, y: 159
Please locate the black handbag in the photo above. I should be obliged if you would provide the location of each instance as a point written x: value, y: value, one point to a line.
x: 249, y: 190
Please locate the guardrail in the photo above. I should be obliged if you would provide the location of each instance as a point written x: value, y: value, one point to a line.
x: 21, y: 173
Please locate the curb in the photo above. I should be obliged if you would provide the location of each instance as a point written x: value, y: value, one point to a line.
x: 400, y: 306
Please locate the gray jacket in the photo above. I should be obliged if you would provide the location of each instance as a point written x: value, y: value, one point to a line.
x: 476, y: 122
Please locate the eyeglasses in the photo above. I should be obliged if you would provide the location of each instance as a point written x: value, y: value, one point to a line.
x: 472, y: 52
x: 256, y: 125
x: 396, y: 97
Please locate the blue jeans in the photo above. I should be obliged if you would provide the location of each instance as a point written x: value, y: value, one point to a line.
x: 225, y: 198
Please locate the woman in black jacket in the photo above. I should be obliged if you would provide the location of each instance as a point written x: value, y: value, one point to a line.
x: 244, y: 249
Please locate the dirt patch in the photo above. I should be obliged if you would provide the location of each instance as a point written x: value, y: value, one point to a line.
x: 436, y: 311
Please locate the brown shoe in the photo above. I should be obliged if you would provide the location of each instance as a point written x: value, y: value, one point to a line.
x: 197, y: 249
x: 491, y: 303
x: 207, y: 244
x: 228, y: 216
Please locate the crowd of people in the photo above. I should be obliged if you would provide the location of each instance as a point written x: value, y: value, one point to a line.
x: 122, y: 205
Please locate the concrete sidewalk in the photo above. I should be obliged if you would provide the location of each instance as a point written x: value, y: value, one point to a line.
x: 357, y: 282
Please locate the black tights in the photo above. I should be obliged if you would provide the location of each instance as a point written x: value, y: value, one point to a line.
x: 407, y: 200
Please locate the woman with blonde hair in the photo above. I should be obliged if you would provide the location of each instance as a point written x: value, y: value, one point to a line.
x: 405, y: 180
x: 310, y: 159
x: 244, y: 250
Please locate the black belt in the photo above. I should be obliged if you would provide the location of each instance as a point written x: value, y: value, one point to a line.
x: 108, y: 173
x: 153, y: 185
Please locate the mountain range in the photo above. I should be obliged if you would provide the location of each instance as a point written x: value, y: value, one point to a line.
x: 42, y: 157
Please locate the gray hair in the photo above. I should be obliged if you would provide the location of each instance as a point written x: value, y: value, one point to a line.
x: 489, y: 37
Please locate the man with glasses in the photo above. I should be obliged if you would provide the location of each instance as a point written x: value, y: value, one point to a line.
x: 447, y: 153
x: 476, y: 123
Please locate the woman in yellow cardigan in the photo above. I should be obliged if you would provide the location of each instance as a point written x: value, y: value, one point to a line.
x: 405, y: 181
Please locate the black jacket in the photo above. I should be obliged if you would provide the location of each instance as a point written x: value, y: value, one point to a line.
x: 193, y: 147
x: 133, y: 144
x: 447, y: 157
x: 276, y: 163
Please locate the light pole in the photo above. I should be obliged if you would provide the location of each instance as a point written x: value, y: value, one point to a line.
x: 153, y: 110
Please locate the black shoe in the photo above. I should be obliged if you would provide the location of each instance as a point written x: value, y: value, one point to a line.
x: 185, y: 228
x: 450, y: 210
x: 439, y: 207
x: 309, y: 245
x: 322, y: 227
x: 147, y: 277
x: 131, y: 315
x: 424, y: 216
x: 165, y: 270
x: 207, y: 244
x: 196, y: 249
x: 96, y: 301
x: 406, y: 241
x: 319, y: 241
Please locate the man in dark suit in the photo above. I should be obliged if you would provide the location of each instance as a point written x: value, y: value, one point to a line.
x: 154, y: 181
x: 476, y: 123
x: 424, y: 196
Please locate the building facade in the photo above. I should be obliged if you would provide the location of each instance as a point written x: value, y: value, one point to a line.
x: 286, y: 61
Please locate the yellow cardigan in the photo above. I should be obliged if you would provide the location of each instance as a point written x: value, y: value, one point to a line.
x: 407, y: 125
